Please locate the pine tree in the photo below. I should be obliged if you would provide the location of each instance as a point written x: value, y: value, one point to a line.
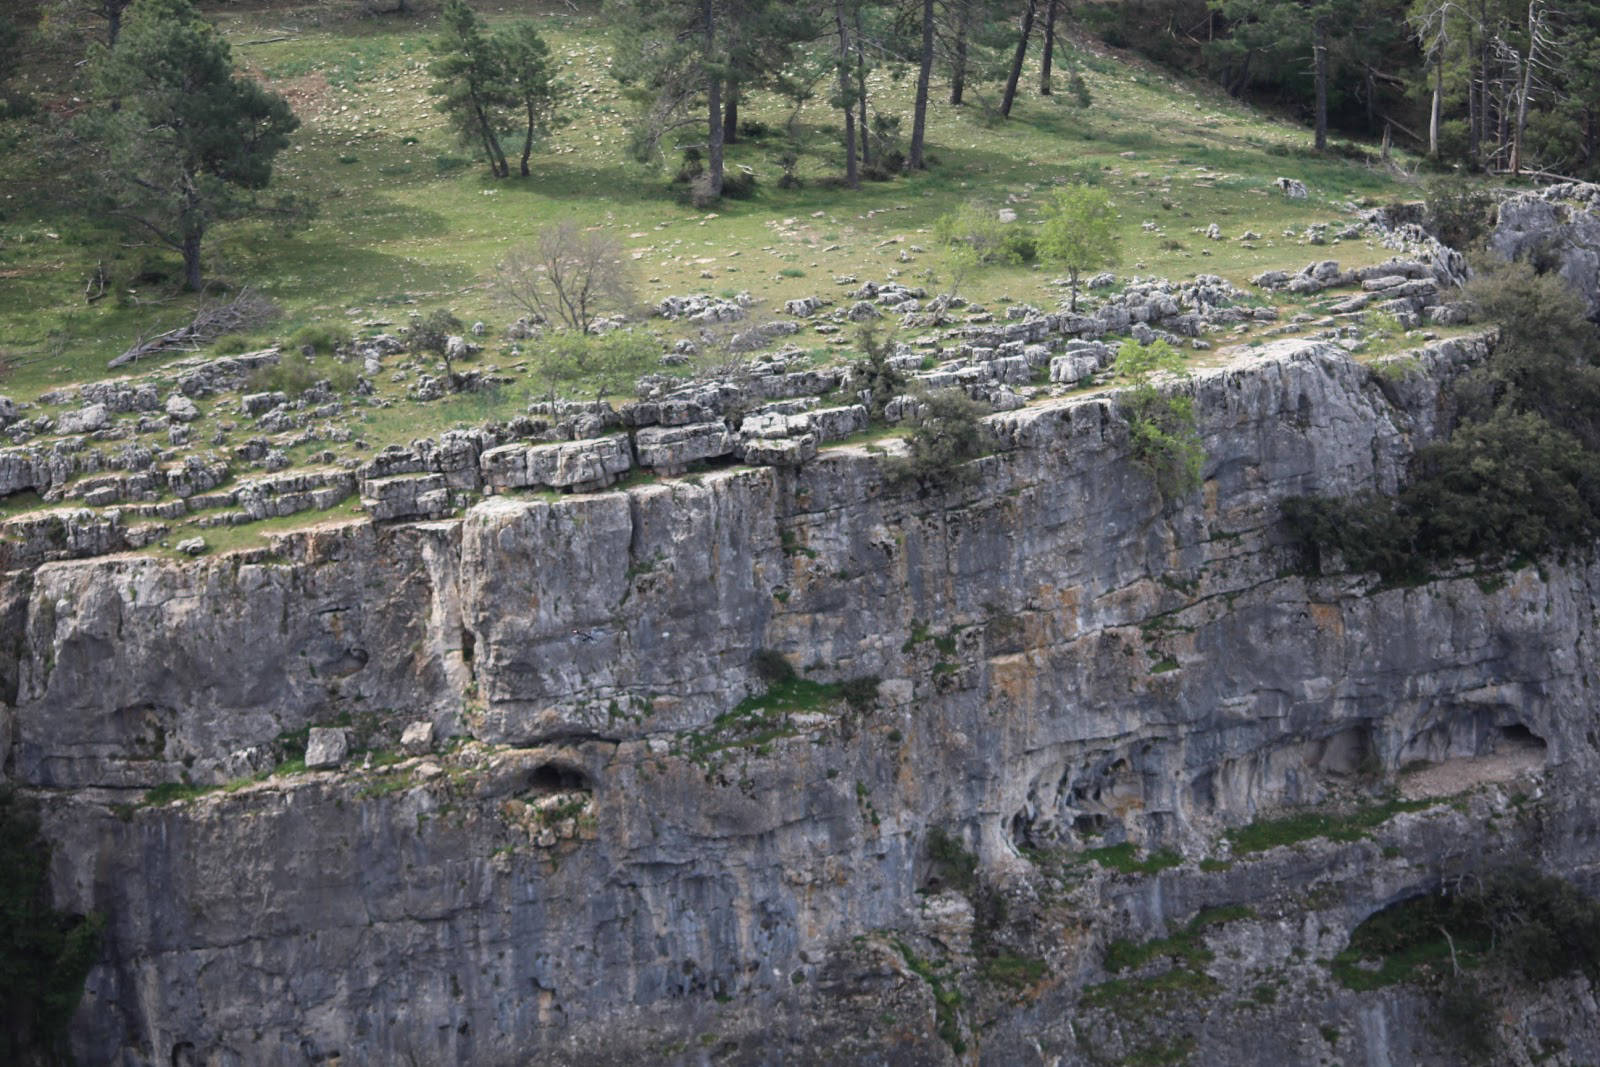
x: 530, y: 79
x: 469, y: 78
x: 189, y: 138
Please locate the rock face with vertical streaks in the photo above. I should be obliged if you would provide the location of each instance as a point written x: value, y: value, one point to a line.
x: 620, y: 851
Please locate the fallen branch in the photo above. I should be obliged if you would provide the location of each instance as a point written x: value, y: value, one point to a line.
x: 209, y: 323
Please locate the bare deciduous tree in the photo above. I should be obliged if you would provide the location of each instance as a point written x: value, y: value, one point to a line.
x: 568, y: 275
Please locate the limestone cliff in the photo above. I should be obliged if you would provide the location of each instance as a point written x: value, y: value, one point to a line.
x: 616, y: 857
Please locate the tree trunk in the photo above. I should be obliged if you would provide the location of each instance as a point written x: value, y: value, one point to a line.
x: 861, y: 89
x: 730, y: 114
x: 1319, y: 60
x: 1478, y: 103
x: 958, y: 72
x: 1046, y: 60
x: 491, y: 144
x: 191, y: 258
x: 527, y: 141
x: 919, y: 115
x: 1016, y: 60
x: 1527, y: 86
x: 713, y: 107
x: 1438, y: 106
x: 852, y: 171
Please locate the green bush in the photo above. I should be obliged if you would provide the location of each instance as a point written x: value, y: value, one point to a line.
x: 1519, y: 476
x: 323, y: 338
x: 860, y: 693
x: 952, y: 863
x: 946, y: 437
x: 45, y: 955
x: 1161, y: 425
x: 1457, y: 211
x: 873, y: 373
x: 772, y: 668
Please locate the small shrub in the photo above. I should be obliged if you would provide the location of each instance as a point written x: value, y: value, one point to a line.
x: 1456, y: 211
x: 739, y: 184
x: 874, y: 374
x: 952, y: 863
x: 947, y: 436
x: 860, y: 693
x: 1161, y: 425
x: 323, y: 338
x: 292, y: 375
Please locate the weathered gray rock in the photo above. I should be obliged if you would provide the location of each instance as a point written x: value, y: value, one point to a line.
x: 86, y: 419
x: 587, y: 464
x: 417, y: 738
x: 181, y: 408
x: 326, y: 747
x: 617, y: 864
x: 1560, y: 223
x: 670, y: 449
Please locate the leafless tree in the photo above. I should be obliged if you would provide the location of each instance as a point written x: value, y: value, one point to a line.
x: 568, y: 275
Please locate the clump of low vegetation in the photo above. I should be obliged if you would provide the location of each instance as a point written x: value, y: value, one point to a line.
x: 1161, y: 422
x: 1478, y: 936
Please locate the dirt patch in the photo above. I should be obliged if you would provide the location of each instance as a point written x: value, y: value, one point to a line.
x: 307, y: 94
x: 1458, y: 775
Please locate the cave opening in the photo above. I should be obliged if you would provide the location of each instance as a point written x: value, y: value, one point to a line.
x: 1518, y: 736
x: 550, y: 778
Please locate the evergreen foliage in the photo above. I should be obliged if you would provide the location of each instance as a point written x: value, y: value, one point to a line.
x: 188, y: 137
x: 1519, y: 476
x: 947, y: 435
x: 44, y: 955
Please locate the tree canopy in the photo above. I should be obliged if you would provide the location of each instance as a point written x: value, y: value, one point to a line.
x: 188, y: 138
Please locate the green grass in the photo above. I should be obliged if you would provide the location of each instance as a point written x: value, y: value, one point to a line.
x: 1015, y: 972
x: 1187, y: 946
x: 946, y: 1000
x: 1125, y: 858
x: 1342, y: 826
x: 409, y: 225
x: 1140, y: 998
x: 170, y: 792
x: 757, y: 721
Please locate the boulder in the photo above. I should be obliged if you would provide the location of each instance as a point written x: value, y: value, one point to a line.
x: 86, y: 419
x: 181, y: 408
x: 326, y: 748
x: 417, y: 738
x: 670, y: 449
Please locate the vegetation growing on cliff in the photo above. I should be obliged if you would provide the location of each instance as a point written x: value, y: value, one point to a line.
x: 1166, y: 439
x: 1520, y: 474
x: 45, y: 955
x: 1475, y: 938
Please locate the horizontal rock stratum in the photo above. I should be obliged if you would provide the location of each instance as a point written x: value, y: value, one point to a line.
x: 614, y: 857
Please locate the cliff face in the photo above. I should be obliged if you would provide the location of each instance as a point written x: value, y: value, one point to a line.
x: 614, y: 858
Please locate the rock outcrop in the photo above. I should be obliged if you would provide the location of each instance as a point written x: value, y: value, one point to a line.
x: 619, y: 852
x: 1559, y: 227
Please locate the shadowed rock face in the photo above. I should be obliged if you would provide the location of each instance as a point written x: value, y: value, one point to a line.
x: 608, y: 867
